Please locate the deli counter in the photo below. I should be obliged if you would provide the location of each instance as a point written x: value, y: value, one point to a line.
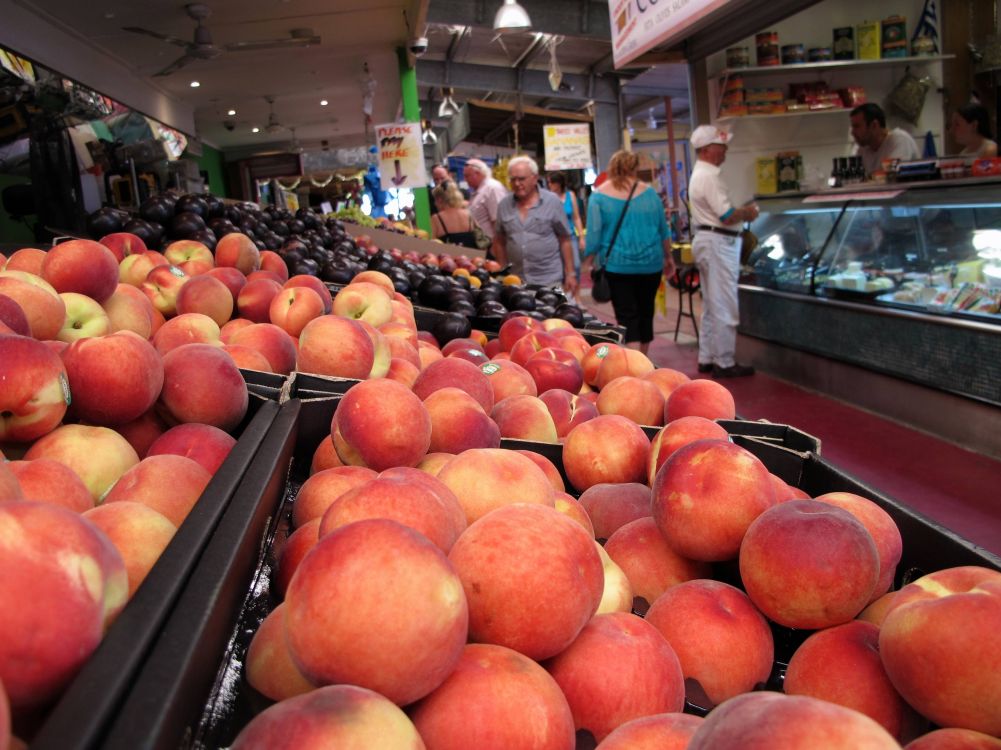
x: 901, y: 279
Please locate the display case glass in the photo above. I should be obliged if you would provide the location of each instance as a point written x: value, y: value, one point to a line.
x: 933, y: 248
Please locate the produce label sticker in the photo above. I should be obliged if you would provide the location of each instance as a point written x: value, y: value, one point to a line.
x: 567, y: 146
x: 176, y: 271
x: 603, y: 351
x: 64, y: 383
x: 401, y: 155
x: 490, y: 368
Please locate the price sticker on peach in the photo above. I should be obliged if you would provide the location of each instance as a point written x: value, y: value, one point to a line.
x: 490, y: 368
x: 603, y: 351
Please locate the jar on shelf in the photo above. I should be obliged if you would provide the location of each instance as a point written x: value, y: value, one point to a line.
x: 767, y: 43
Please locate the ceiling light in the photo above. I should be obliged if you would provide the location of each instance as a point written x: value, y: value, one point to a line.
x: 231, y: 112
x: 195, y: 84
x: 324, y: 102
x: 448, y: 107
x: 651, y: 120
x: 255, y: 130
x: 428, y: 137
x: 511, y: 17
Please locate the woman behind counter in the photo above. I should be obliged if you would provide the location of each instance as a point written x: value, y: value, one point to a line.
x: 971, y: 127
x: 642, y: 250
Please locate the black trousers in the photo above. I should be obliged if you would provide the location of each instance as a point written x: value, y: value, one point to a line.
x: 633, y: 298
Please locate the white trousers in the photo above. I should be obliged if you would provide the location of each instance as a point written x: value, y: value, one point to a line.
x: 717, y: 256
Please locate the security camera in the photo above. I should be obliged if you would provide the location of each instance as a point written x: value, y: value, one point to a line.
x: 418, y: 46
x: 229, y: 125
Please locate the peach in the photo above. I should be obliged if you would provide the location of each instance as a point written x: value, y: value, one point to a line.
x: 139, y: 533
x: 842, y: 665
x: 666, y: 380
x: 381, y: 354
x: 611, y: 506
x: 202, y: 443
x: 532, y: 578
x: 938, y: 644
x: 381, y: 424
x: 35, y: 392
x: 408, y: 499
x: 232, y: 327
x: 517, y: 704
x: 456, y: 373
x: 316, y: 285
x: 567, y: 410
x: 28, y: 259
x: 954, y: 739
x: 82, y: 267
x: 485, y: 479
x: 85, y: 318
x: 248, y: 359
x: 231, y: 278
x: 508, y: 379
x: 208, y: 296
x: 292, y: 308
x: 649, y: 563
x: 255, y: 298
x: 324, y: 456
x: 271, y: 341
x: 723, y: 643
x: 458, y: 422
x: 143, y: 431
x: 679, y: 433
x: 162, y: 285
x: 617, y: 594
x: 330, y: 345
x: 524, y: 418
x: 123, y: 244
x: 190, y: 256
x: 270, y: 669
x: 570, y: 506
x: 634, y: 398
x: 706, y: 496
x: 274, y: 263
x: 128, y: 309
x: 571, y: 340
x: 532, y: 343
x: 134, y: 269
x: 364, y: 301
x: 608, y: 448
x: 13, y: 318
x: 114, y: 379
x: 699, y: 398
x: 48, y: 481
x: 428, y: 354
x: 238, y: 251
x: 98, y: 455
x: 432, y: 463
x: 375, y: 277
x: 402, y: 371
x: 593, y: 358
x: 399, y: 346
x: 555, y: 368
x: 548, y: 468
x: 475, y: 356
x: 406, y: 625
x: 60, y: 574
x: 618, y: 669
x: 620, y: 362
x: 461, y: 343
x: 772, y: 721
x: 41, y: 304
x: 670, y: 731
x: 269, y: 275
x: 883, y: 529
x: 341, y: 716
x: 296, y: 546
x: 201, y: 383
x: 807, y: 564
x: 514, y: 328
x: 170, y: 485
x: 876, y: 611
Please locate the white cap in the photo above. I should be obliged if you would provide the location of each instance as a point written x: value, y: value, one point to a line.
x: 705, y: 135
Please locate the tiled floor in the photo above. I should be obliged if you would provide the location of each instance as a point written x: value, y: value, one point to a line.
x: 956, y: 487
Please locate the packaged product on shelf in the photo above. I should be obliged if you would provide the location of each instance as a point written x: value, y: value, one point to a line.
x: 985, y: 167
x: 789, y: 165
x: 852, y: 96
x: 844, y: 43
x: 767, y: 43
x: 868, y: 40
x: 738, y: 57
x: 893, y: 37
x: 793, y: 54
x: 767, y: 175
x: 820, y: 54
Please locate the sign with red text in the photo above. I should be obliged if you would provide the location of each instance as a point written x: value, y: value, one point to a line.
x: 640, y: 25
x: 567, y: 146
x: 401, y: 155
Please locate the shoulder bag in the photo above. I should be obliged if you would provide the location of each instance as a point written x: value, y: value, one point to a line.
x: 601, y: 291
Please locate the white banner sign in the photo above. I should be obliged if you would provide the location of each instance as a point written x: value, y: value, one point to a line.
x: 567, y: 146
x: 640, y: 25
x: 401, y: 155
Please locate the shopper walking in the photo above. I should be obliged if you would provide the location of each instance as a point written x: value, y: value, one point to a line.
x: 716, y: 250
x: 452, y: 223
x: 557, y: 182
x: 487, y: 194
x: 636, y: 257
x: 532, y: 232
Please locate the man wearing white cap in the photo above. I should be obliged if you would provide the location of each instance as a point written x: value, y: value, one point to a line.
x: 716, y: 249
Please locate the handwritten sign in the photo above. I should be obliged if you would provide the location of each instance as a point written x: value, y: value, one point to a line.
x: 640, y: 25
x: 401, y: 155
x: 567, y: 146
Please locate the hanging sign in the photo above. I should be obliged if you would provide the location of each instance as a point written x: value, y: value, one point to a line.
x: 640, y: 25
x: 401, y: 155
x: 567, y: 146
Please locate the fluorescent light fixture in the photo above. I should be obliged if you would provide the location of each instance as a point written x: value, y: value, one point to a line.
x: 231, y: 112
x: 651, y: 121
x: 511, y: 17
x: 255, y: 130
x: 195, y: 84
x: 324, y: 102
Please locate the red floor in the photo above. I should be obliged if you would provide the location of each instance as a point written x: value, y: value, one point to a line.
x: 956, y: 487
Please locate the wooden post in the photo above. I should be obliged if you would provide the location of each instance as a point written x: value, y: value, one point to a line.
x: 675, y: 193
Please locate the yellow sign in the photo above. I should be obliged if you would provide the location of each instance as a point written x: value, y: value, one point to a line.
x: 567, y: 146
x: 401, y: 155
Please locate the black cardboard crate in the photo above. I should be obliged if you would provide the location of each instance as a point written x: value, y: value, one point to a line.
x: 305, y: 385
x: 192, y: 691
x: 266, y: 384
x: 94, y: 698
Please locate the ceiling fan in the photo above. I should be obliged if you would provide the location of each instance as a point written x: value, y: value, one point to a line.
x: 273, y: 125
x: 202, y: 48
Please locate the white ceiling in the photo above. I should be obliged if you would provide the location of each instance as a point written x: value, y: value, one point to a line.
x: 354, y: 33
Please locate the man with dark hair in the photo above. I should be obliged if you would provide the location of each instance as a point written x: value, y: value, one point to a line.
x: 874, y: 142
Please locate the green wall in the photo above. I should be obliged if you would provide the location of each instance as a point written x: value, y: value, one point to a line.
x: 211, y: 161
x: 10, y: 230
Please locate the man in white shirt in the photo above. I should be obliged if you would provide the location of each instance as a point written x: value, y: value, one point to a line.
x: 487, y: 195
x: 874, y: 142
x: 716, y: 250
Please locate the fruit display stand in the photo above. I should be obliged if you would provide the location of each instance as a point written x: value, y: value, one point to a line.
x: 408, y: 243
x: 95, y: 695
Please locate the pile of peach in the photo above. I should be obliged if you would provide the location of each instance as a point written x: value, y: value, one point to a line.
x: 463, y: 600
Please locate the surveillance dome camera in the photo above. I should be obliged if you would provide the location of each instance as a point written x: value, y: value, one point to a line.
x: 419, y: 45
x: 229, y: 125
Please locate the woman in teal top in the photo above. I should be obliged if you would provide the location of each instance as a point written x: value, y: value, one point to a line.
x: 642, y: 251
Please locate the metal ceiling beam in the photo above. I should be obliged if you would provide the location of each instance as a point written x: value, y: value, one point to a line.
x: 534, y: 83
x: 580, y: 18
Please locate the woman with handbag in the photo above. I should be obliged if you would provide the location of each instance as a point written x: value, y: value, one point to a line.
x: 629, y: 243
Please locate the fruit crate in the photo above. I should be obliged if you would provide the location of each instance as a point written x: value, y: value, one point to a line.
x: 304, y: 386
x: 192, y: 691
x: 266, y: 384
x: 95, y: 695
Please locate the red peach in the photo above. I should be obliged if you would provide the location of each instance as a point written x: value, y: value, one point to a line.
x: 456, y: 373
x: 270, y: 669
x: 298, y: 544
x: 634, y: 398
x: 201, y: 383
x: 954, y: 739
x: 677, y: 434
x: 273, y: 262
x: 666, y: 380
x: 170, y: 485
x: 41, y: 304
x: 49, y: 481
x: 254, y: 300
x: 292, y: 308
x: 98, y: 455
x: 330, y: 345
x: 485, y: 479
x: 608, y: 448
x: 508, y: 379
x: 699, y: 398
x: 231, y: 278
x: 139, y: 533
x: 275, y: 344
x: 323, y: 488
x: 548, y: 468
x: 35, y: 390
x: 610, y: 506
x: 27, y: 259
x: 671, y: 731
x: 316, y: 285
x: 567, y: 409
x: 238, y: 251
x: 82, y: 266
x: 203, y: 443
x: 458, y: 422
x: 524, y: 418
x: 206, y: 295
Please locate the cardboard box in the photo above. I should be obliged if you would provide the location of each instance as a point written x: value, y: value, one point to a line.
x: 868, y: 40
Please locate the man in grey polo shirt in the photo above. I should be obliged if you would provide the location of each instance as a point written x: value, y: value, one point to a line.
x: 532, y: 232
